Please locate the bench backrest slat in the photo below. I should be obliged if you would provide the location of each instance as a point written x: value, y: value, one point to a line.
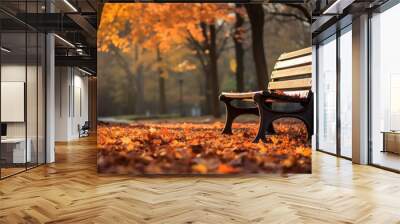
x: 296, y: 84
x: 293, y: 62
x: 292, y: 71
x: 294, y: 54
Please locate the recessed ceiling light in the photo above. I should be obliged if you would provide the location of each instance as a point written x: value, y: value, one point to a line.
x: 5, y: 50
x: 65, y: 41
x: 84, y: 71
x: 337, y: 7
x: 70, y: 5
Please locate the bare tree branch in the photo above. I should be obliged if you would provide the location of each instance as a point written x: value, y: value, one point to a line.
x: 121, y: 59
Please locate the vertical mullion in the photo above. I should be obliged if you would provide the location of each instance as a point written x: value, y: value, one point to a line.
x: 44, y: 70
x: 338, y: 94
x: 73, y: 92
x: 26, y: 86
x: 0, y: 93
x: 80, y: 102
x: 60, y: 88
x: 369, y: 100
x: 317, y: 98
x: 44, y: 80
x: 37, y: 90
x: 69, y: 92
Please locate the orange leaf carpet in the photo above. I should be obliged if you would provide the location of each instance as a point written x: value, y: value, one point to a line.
x: 200, y: 148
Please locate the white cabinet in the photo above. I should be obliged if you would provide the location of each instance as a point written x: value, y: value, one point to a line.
x: 17, y: 148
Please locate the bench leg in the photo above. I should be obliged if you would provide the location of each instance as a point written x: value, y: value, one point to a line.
x: 260, y: 134
x: 265, y: 126
x: 266, y: 118
x: 230, y: 116
x: 309, y: 130
x: 233, y: 112
x: 270, y: 126
x: 261, y: 127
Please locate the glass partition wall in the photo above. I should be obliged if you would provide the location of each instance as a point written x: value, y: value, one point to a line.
x: 345, y: 90
x: 334, y: 94
x: 327, y: 95
x: 385, y: 89
x: 22, y: 93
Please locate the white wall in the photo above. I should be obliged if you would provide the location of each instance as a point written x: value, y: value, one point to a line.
x: 62, y: 81
x: 71, y: 103
x: 13, y: 73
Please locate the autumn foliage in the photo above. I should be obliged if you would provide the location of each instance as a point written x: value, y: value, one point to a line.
x: 152, y: 24
x: 200, y: 148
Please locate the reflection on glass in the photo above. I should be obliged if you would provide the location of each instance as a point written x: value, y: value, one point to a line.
x: 327, y: 96
x: 385, y: 84
x: 22, y: 90
x: 346, y: 93
x: 15, y: 149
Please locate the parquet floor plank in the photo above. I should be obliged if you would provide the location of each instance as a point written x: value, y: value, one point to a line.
x: 71, y: 191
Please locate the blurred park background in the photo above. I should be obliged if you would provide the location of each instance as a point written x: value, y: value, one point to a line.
x: 173, y: 60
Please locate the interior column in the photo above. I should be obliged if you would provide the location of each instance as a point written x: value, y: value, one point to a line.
x: 360, y: 90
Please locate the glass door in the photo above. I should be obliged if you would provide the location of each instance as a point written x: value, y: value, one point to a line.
x: 22, y: 77
x: 14, y: 144
x: 345, y: 42
x: 326, y: 136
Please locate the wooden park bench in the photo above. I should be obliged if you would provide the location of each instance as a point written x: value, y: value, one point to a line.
x: 288, y: 95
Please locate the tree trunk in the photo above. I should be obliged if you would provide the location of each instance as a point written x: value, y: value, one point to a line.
x: 206, y: 68
x: 256, y: 16
x: 202, y: 103
x: 163, y: 106
x: 139, y: 90
x: 131, y: 90
x: 209, y: 105
x: 214, y: 71
x: 239, y: 50
x: 161, y: 84
x: 131, y: 104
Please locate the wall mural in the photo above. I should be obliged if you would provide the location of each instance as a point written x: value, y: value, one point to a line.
x: 162, y: 68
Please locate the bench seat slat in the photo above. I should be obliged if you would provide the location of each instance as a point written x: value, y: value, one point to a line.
x: 292, y: 72
x: 293, y: 54
x: 293, y: 62
x: 245, y: 95
x: 291, y: 84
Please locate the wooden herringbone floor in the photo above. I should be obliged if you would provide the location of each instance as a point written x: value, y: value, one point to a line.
x: 70, y: 191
